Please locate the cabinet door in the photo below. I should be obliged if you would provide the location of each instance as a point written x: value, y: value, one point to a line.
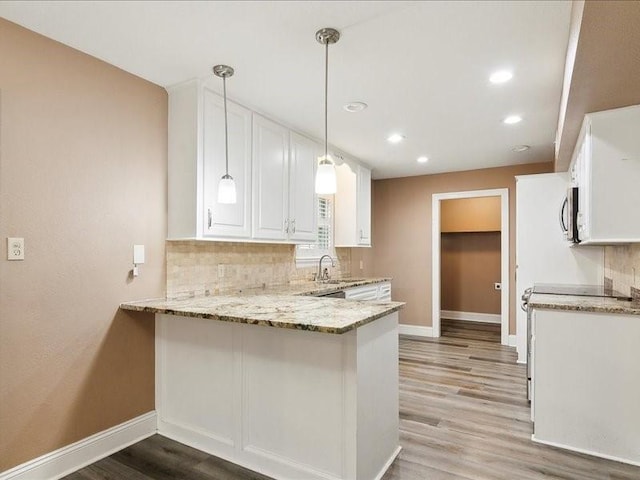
x: 583, y: 169
x: 614, y: 214
x: 224, y: 220
x: 365, y: 293
x: 270, y: 179
x: 303, y: 212
x: 363, y: 205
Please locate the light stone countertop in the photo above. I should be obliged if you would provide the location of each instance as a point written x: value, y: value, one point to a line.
x: 584, y: 304
x: 285, y: 306
x: 307, y: 287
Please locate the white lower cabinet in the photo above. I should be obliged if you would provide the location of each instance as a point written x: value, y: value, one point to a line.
x: 290, y: 404
x: 586, y: 388
x: 377, y: 291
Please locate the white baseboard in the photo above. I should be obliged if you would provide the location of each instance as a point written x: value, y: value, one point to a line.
x: 471, y: 316
x: 388, y: 463
x: 416, y: 330
x: 587, y: 452
x: 512, y: 340
x: 68, y: 459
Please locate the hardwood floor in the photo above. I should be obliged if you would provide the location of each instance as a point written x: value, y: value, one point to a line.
x: 160, y: 458
x: 463, y: 416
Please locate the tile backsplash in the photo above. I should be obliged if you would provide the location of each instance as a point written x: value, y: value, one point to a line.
x: 622, y: 268
x: 204, y: 267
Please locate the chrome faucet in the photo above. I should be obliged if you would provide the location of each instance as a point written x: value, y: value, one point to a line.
x: 324, y: 275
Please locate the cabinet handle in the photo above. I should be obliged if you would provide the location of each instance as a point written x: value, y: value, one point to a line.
x: 209, y: 217
x: 361, y: 234
x: 286, y: 225
x: 293, y: 226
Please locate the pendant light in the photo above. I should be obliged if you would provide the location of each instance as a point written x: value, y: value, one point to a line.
x: 227, y: 186
x: 326, y: 173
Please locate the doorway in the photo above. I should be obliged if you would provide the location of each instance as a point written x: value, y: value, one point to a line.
x: 436, y: 246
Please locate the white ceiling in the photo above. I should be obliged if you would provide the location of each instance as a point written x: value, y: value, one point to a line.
x: 422, y: 67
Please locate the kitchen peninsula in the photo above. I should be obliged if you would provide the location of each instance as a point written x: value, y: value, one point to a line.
x: 281, y: 382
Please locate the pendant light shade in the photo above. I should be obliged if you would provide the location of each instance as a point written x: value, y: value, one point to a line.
x: 227, y: 186
x: 227, y: 190
x: 326, y: 177
x: 326, y: 183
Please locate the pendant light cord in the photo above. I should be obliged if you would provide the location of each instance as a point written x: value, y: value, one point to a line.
x: 226, y: 133
x: 326, y: 94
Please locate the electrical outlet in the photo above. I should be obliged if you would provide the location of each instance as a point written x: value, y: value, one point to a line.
x: 221, y: 270
x: 497, y: 286
x: 15, y: 248
x: 361, y: 264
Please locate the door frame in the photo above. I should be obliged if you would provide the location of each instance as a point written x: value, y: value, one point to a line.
x: 436, y: 266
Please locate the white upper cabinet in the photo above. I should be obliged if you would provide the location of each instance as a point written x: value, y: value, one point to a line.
x: 303, y: 210
x: 226, y: 220
x: 606, y: 166
x: 185, y: 202
x: 196, y: 162
x: 363, y: 206
x: 270, y: 179
x: 273, y: 168
x: 353, y: 206
x: 284, y: 165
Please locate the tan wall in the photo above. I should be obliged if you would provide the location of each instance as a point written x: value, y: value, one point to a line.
x: 470, y: 265
x: 402, y: 231
x: 479, y: 214
x: 82, y: 178
x: 607, y: 43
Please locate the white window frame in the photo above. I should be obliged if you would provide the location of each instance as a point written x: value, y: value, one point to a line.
x: 310, y: 254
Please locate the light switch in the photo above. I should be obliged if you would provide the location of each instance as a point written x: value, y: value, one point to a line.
x: 138, y: 254
x: 15, y: 248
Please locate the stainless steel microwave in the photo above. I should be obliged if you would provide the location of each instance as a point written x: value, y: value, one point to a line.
x: 569, y: 215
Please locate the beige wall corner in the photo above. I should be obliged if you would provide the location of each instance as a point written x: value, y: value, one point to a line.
x: 606, y: 67
x: 83, y: 178
x: 402, y: 231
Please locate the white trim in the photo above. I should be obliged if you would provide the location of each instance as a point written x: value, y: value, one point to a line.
x: 73, y: 457
x: 513, y: 341
x: 471, y: 316
x: 415, y: 330
x: 436, y: 198
x: 585, y: 451
x: 386, y: 466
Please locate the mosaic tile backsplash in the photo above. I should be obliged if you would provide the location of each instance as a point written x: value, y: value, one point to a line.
x: 207, y: 268
x: 622, y: 268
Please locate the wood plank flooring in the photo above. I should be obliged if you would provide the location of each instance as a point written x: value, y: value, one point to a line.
x: 463, y: 416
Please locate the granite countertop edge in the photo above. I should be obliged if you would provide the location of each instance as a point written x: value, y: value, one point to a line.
x: 390, y: 308
x: 292, y: 295
x: 584, y: 304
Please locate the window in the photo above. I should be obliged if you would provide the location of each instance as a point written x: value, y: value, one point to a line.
x: 323, y: 245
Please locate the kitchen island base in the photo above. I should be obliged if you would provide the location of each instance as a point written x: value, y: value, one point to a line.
x: 287, y: 403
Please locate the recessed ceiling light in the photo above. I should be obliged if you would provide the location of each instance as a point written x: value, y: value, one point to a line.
x: 520, y: 148
x: 423, y: 159
x: 395, y: 138
x: 501, y: 76
x: 353, y: 107
x: 511, y: 119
